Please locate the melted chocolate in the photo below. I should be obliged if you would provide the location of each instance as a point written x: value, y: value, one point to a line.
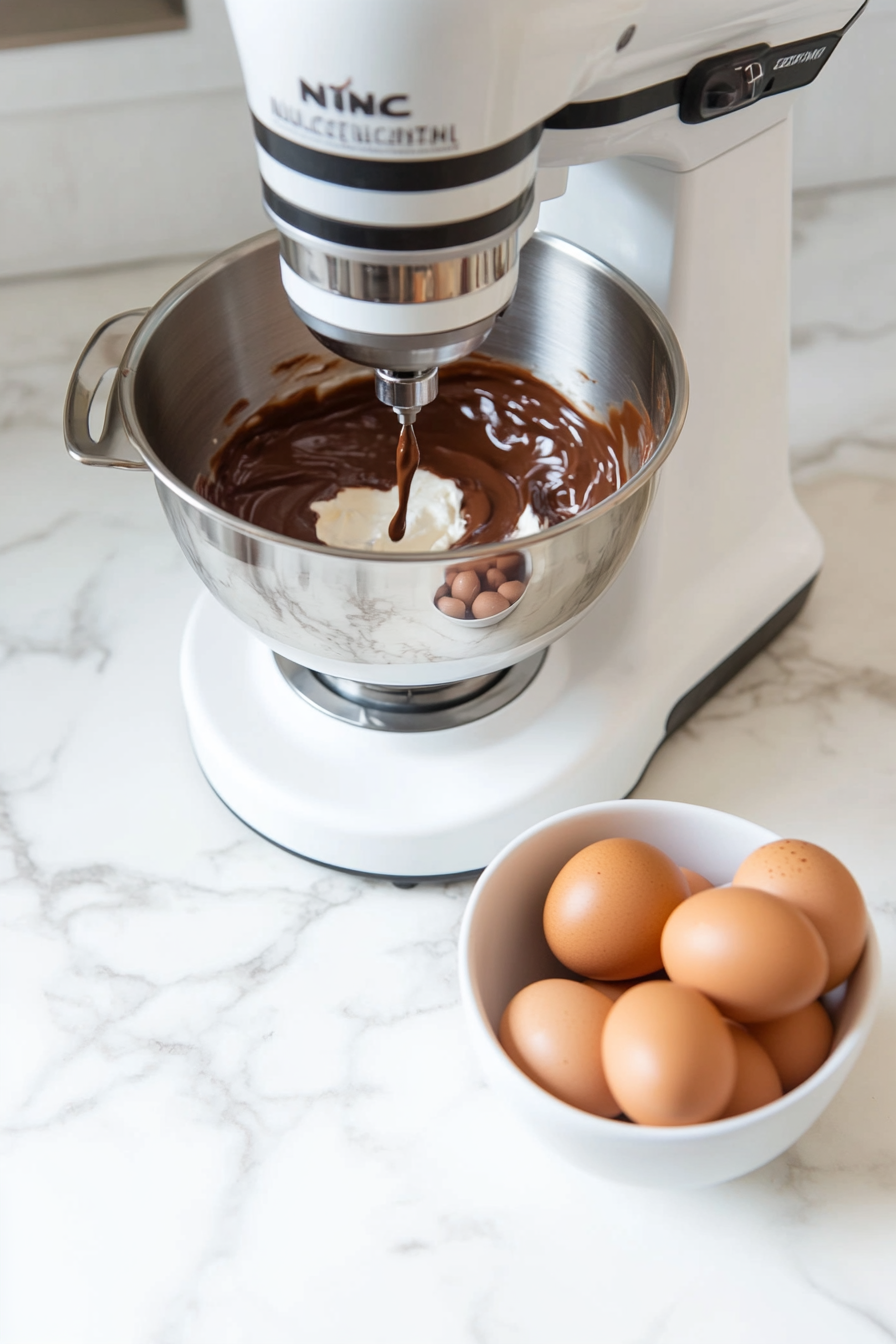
x: 407, y: 460
x: 236, y: 411
x: 505, y: 437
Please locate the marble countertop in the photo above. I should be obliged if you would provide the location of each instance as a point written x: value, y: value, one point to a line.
x: 238, y: 1099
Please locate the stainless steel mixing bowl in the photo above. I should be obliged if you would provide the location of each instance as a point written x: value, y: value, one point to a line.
x: 227, y: 334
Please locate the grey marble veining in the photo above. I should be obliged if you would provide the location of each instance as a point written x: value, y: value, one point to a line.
x: 238, y: 1103
x: 843, y: 373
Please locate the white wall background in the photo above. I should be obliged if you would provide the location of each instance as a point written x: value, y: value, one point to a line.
x: 125, y: 148
x: 845, y: 123
x: 142, y: 147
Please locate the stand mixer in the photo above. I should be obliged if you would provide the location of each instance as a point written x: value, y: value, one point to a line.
x: 402, y: 198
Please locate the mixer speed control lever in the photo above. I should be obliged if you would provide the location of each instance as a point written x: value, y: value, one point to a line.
x: 727, y: 83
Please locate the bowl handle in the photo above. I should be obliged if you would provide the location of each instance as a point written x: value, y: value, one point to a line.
x: 102, y: 353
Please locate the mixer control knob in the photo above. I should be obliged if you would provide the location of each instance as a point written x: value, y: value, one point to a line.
x: 724, y: 84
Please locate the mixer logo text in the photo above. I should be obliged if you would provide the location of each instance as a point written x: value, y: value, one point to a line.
x: 342, y: 98
x: 336, y: 113
x: 799, y: 58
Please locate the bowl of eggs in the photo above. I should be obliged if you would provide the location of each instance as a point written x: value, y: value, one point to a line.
x: 667, y: 995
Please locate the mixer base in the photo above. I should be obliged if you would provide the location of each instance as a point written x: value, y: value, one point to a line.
x: 418, y: 807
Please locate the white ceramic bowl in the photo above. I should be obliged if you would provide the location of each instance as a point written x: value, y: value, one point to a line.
x: 503, y: 948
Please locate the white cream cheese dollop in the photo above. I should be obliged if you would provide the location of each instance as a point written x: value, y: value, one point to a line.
x: 357, y: 518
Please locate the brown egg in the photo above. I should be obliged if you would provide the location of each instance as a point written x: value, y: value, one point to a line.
x: 606, y: 908
x: 668, y: 1055
x: 552, y: 1031
x: 466, y: 586
x: 754, y: 955
x: 695, y: 881
x: 614, y: 989
x: 452, y: 606
x: 494, y: 578
x: 797, y: 1044
x: 512, y: 590
x: 488, y: 604
x: 757, y: 1082
x: 822, y: 888
x: 443, y: 591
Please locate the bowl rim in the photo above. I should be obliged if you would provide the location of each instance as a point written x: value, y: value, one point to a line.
x: 207, y: 269
x: 620, y: 1130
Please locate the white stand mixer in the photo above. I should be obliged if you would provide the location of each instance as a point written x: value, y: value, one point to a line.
x: 691, y: 204
x: 723, y: 564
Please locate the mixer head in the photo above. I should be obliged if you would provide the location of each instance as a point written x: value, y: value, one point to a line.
x: 398, y: 146
x: 398, y: 141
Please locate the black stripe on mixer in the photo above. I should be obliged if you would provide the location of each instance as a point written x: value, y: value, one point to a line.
x: 612, y: 111
x: 412, y: 238
x: 391, y: 175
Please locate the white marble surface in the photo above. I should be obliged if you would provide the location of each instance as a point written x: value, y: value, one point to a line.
x: 238, y: 1101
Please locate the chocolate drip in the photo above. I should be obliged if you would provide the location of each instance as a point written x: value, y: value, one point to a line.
x: 505, y: 437
x: 407, y: 460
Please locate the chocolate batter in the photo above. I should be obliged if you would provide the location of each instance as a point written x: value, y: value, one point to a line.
x: 505, y: 437
x: 407, y: 460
